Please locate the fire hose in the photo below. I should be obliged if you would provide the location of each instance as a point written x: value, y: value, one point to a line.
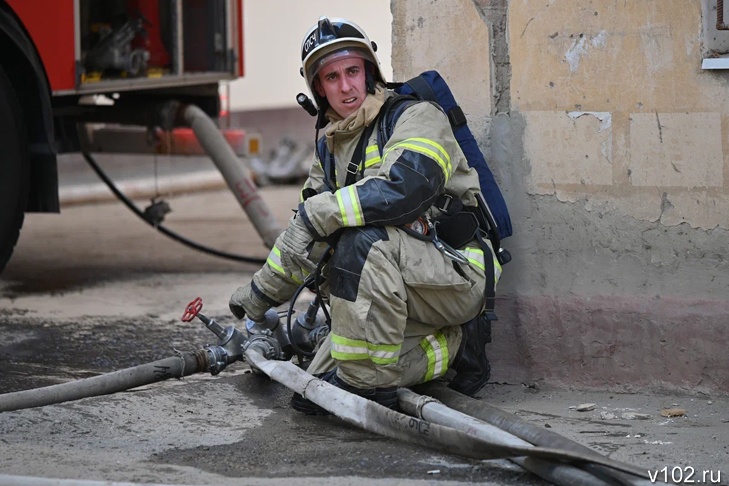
x: 236, y: 176
x: 426, y: 421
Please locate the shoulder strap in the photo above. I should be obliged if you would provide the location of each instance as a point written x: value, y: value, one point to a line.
x: 355, y: 165
x: 327, y: 162
x: 389, y: 114
x: 423, y: 88
x: 353, y: 168
x: 489, y: 293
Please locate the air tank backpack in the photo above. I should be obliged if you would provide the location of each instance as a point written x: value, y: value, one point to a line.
x: 493, y: 215
x: 430, y: 86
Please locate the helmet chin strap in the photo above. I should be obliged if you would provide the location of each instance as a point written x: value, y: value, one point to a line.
x: 321, y: 119
x: 370, y: 82
x: 370, y: 77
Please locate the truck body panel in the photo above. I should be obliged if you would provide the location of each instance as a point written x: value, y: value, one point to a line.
x: 118, y: 62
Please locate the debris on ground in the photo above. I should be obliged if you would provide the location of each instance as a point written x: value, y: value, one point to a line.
x: 673, y: 412
x: 635, y: 416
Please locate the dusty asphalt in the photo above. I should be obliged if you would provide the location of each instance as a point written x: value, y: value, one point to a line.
x: 94, y: 290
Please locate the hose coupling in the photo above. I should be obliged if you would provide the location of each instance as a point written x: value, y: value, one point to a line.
x: 266, y: 345
x: 218, y: 359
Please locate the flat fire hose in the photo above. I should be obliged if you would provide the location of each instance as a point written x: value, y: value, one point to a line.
x: 448, y: 413
x: 373, y: 417
x: 522, y: 428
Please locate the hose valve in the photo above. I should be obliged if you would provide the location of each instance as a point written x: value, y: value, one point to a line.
x: 231, y: 342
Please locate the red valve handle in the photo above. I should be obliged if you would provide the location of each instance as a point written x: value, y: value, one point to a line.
x: 192, y: 309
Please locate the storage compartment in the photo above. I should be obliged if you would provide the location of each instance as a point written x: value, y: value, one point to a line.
x: 131, y: 39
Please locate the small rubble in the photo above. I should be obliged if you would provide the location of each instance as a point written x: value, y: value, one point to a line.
x: 635, y: 416
x: 673, y: 412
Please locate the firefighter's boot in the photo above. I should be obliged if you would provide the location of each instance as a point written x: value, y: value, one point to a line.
x: 386, y: 396
x: 471, y: 364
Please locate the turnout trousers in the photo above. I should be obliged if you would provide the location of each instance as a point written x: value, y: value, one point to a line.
x: 397, y: 305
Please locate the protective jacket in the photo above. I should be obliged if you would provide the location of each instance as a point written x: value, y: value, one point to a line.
x: 390, y: 292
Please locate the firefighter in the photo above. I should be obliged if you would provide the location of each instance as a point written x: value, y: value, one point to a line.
x: 398, y: 297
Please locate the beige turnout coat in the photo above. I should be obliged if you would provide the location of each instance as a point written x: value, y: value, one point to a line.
x: 397, y: 302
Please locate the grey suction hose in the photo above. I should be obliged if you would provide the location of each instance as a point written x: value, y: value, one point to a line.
x: 10, y: 480
x: 434, y: 411
x: 235, y: 174
x: 373, y: 417
x: 174, y: 367
x: 528, y: 431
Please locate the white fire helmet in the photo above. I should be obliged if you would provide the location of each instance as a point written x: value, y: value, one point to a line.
x: 331, y: 40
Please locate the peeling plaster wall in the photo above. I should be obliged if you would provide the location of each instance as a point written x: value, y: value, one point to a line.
x: 610, y: 145
x: 638, y: 62
x: 427, y: 42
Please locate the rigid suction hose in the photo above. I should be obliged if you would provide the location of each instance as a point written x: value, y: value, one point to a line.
x: 175, y: 367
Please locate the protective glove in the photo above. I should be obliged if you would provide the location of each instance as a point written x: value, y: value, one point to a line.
x: 246, y: 302
x: 294, y: 249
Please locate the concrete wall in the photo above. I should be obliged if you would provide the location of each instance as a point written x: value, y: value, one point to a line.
x: 610, y: 144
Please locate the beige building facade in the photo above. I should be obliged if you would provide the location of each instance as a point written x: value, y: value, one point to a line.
x: 610, y: 140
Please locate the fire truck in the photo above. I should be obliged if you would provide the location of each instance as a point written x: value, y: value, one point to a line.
x: 68, y: 63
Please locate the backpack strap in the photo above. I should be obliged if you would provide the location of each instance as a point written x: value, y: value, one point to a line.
x: 489, y: 296
x: 455, y: 115
x: 354, y: 167
x: 389, y: 114
x: 327, y: 162
x: 423, y: 90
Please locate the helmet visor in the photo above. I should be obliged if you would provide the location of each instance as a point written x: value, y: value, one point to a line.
x: 317, y: 65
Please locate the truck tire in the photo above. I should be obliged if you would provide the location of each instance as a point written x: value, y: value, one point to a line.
x: 14, y: 169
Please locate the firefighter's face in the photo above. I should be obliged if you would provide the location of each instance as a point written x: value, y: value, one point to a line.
x: 342, y: 83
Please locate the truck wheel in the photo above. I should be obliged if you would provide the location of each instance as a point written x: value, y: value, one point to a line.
x: 14, y: 169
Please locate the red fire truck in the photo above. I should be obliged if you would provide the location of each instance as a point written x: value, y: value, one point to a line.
x: 59, y: 57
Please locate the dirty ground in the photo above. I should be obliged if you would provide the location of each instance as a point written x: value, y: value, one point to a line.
x: 94, y: 290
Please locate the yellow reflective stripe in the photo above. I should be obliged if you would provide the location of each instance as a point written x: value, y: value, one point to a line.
x: 345, y: 349
x: 349, y: 206
x: 348, y: 349
x: 383, y: 354
x: 372, y: 156
x: 476, y: 257
x: 429, y: 148
x: 436, y: 349
x: 274, y: 261
x: 439, y: 148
